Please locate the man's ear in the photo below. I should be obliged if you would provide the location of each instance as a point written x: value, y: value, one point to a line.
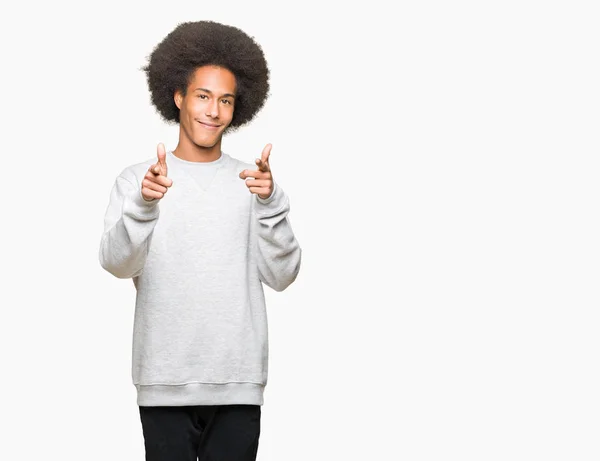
x: 178, y: 97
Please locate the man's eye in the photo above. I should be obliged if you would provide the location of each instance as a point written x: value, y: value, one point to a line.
x: 202, y: 96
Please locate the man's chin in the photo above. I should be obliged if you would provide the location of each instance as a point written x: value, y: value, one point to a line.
x: 206, y: 143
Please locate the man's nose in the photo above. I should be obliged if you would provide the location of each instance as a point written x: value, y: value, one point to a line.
x: 213, y: 109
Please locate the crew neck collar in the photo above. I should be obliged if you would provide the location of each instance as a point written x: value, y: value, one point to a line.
x: 188, y: 162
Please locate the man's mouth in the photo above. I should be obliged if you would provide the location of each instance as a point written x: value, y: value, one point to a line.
x: 209, y: 126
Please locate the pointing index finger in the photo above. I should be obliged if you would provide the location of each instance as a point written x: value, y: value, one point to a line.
x: 263, y: 162
x: 266, y: 152
x: 161, y: 165
x: 160, y: 150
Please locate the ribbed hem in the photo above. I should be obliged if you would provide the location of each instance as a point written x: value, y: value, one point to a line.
x: 199, y: 394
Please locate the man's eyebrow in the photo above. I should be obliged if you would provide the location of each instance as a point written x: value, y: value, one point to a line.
x: 210, y: 92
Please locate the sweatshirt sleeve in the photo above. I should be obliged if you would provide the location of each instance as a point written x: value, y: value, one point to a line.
x: 279, y: 254
x: 128, y: 226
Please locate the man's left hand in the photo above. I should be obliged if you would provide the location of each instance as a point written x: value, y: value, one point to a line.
x: 262, y: 184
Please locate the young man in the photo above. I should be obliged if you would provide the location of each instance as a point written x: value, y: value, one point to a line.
x: 199, y: 232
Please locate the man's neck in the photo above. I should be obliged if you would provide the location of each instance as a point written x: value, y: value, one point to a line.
x: 191, y: 152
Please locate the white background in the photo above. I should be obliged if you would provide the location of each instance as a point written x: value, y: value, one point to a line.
x: 442, y: 166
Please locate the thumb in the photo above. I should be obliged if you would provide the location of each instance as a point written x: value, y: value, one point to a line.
x: 162, y: 158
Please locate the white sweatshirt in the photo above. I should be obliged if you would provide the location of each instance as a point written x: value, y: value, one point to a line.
x: 198, y: 258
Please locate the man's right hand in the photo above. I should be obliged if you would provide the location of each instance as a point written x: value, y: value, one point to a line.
x: 155, y: 184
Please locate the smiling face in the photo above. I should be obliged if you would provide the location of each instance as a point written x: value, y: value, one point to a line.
x: 207, y: 107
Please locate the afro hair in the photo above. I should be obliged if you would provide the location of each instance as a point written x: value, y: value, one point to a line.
x: 195, y: 44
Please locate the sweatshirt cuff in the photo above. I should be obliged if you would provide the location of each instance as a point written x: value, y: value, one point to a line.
x: 274, y: 202
x: 138, y: 206
x: 270, y: 198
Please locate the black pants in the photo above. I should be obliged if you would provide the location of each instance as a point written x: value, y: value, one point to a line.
x: 207, y: 433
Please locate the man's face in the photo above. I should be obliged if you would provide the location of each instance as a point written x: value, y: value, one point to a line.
x: 207, y: 108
